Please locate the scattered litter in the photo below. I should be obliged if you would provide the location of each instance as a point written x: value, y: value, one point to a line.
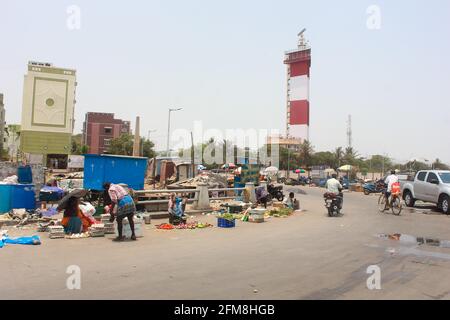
x: 77, y: 236
x: 391, y: 251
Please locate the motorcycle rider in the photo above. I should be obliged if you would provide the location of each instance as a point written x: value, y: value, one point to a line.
x: 334, y: 186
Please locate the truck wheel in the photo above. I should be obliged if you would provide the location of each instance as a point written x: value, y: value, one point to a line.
x: 444, y: 204
x: 366, y: 192
x: 409, y: 200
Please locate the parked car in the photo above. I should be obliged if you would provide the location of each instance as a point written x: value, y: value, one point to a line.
x: 428, y: 186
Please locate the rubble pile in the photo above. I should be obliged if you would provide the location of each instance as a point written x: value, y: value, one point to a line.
x: 213, y: 180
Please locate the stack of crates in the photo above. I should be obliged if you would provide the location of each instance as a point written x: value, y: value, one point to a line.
x: 97, y: 230
x: 56, y: 232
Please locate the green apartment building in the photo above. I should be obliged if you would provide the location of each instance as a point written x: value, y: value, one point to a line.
x: 48, y: 113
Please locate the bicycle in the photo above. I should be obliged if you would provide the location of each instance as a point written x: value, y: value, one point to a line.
x: 395, y: 203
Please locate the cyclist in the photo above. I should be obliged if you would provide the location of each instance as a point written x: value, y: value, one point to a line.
x: 391, y: 180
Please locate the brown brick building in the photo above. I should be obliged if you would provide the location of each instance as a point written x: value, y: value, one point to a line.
x: 100, y: 128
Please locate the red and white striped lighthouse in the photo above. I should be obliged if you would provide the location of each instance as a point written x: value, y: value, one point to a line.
x: 298, y: 63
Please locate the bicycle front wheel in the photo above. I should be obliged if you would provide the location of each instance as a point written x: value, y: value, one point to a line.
x: 396, y: 206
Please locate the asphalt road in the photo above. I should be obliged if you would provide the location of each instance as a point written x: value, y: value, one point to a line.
x: 306, y: 256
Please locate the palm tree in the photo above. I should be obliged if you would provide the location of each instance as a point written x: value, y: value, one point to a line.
x: 338, y: 156
x: 350, y: 155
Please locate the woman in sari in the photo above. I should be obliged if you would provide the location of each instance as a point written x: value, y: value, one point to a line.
x: 74, y: 221
x: 125, y: 208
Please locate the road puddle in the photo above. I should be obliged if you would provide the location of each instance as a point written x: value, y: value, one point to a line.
x: 407, y: 239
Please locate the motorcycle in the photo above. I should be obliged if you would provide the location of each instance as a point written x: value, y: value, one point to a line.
x: 333, y: 203
x: 275, y: 192
x: 374, y: 187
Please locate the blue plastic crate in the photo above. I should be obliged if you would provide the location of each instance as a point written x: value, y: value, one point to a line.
x: 224, y: 223
x: 25, y: 175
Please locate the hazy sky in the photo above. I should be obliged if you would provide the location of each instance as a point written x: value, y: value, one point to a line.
x: 222, y: 62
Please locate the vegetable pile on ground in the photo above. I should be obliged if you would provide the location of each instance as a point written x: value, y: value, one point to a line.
x: 227, y: 216
x: 280, y: 212
x: 190, y: 226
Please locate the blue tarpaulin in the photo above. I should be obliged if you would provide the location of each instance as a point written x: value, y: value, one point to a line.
x: 33, y: 240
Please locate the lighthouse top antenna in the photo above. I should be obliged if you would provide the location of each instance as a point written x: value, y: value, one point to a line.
x: 302, y: 42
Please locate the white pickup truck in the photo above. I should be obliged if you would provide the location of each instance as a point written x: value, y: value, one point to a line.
x: 429, y: 186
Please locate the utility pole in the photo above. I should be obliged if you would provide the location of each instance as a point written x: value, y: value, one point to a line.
x: 168, y: 130
x: 192, y: 155
x: 288, y: 159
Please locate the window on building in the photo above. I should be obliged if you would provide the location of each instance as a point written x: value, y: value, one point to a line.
x: 108, y: 130
x: 107, y: 142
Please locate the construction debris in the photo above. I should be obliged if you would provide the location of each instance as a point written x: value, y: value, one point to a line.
x: 213, y: 180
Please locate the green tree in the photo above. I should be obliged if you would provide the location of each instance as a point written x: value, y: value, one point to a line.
x: 305, y: 155
x: 338, y: 157
x: 350, y: 156
x: 438, y: 165
x: 378, y: 163
x: 326, y: 158
x: 76, y: 144
x: 147, y: 148
x: 122, y: 145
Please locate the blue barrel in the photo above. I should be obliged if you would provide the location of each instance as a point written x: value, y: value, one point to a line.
x: 23, y: 197
x: 5, y: 198
x: 25, y: 175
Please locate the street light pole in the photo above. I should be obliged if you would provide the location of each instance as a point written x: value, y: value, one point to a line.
x: 148, y: 134
x: 168, y: 130
x: 148, y: 138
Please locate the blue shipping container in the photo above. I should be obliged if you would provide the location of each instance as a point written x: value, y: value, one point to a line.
x: 23, y: 196
x: 99, y: 169
x: 5, y: 198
